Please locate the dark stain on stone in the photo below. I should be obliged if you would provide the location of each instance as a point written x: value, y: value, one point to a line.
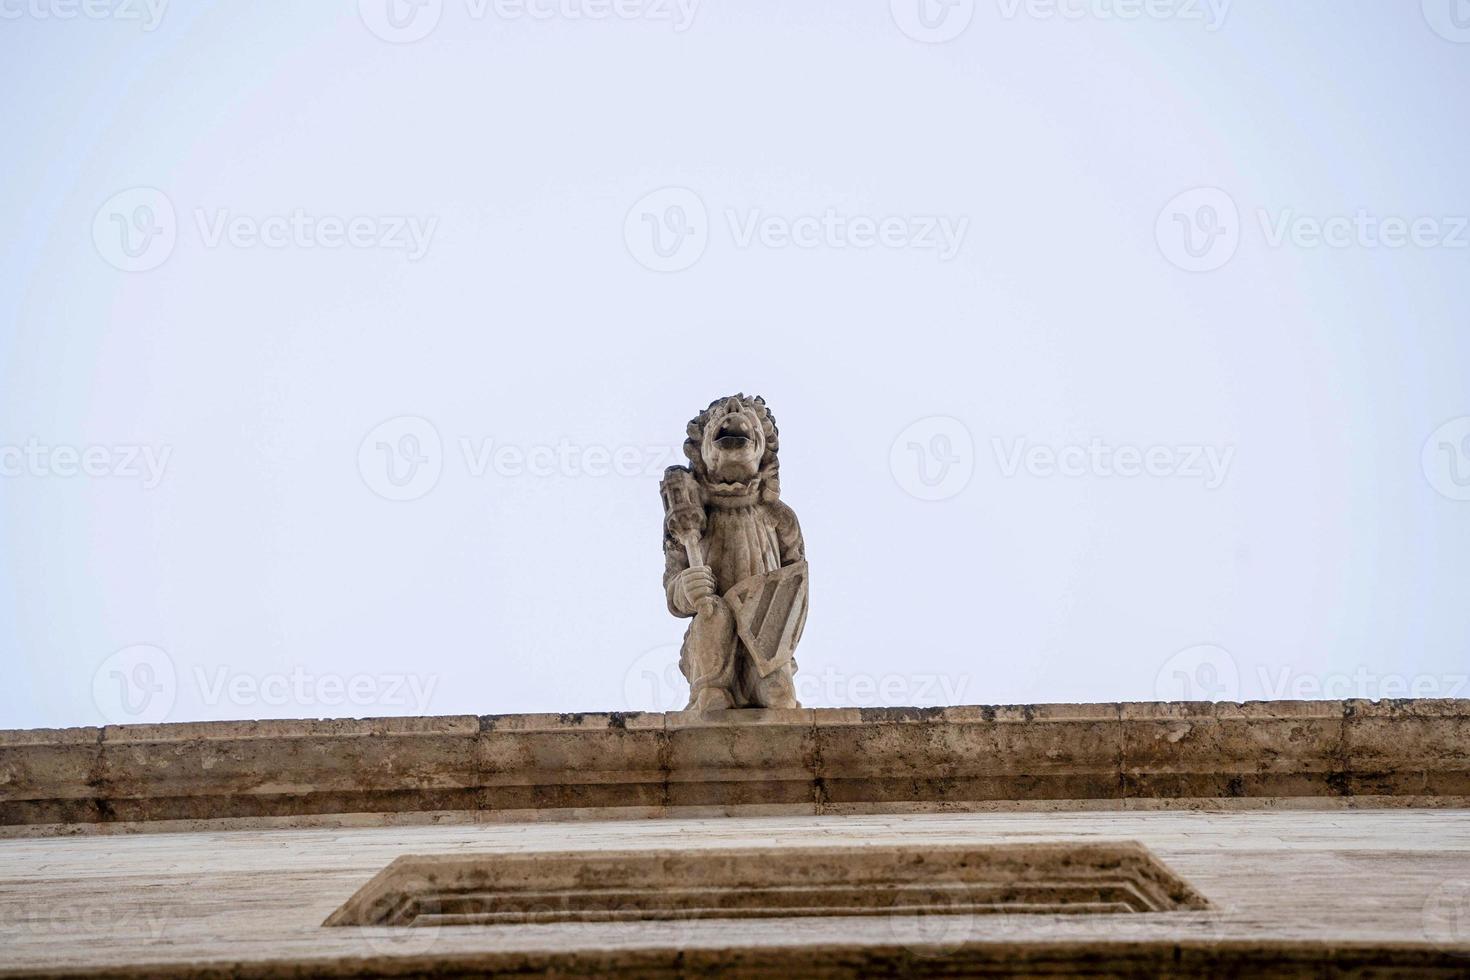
x: 900, y: 714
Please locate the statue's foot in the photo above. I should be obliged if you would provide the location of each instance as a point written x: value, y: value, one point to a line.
x: 711, y: 699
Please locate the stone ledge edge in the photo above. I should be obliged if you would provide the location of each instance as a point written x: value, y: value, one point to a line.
x: 824, y: 760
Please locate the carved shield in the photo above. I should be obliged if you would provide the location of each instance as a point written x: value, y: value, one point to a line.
x: 770, y: 611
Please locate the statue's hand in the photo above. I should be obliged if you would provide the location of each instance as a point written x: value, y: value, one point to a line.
x: 693, y: 584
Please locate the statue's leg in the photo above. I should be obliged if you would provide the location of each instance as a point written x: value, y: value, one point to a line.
x: 708, y: 658
x: 776, y: 690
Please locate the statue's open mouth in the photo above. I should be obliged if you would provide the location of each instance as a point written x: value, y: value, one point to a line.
x: 734, y: 434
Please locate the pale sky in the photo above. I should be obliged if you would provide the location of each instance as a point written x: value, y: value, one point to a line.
x: 1119, y: 351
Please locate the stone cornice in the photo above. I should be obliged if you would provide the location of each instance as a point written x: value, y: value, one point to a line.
x: 509, y: 767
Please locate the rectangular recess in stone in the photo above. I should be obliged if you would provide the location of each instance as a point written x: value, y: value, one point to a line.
x: 786, y: 882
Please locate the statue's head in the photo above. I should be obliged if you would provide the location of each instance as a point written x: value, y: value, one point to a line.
x: 734, y: 441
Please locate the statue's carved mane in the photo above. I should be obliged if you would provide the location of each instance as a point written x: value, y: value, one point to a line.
x: 770, y: 468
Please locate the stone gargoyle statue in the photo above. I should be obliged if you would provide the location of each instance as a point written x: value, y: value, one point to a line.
x: 734, y: 561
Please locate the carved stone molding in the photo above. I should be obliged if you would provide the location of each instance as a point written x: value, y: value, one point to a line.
x: 490, y: 889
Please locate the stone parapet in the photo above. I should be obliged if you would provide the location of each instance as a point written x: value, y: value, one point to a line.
x: 1311, y: 754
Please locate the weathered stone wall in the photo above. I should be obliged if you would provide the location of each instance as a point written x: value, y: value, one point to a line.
x: 1292, y: 893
